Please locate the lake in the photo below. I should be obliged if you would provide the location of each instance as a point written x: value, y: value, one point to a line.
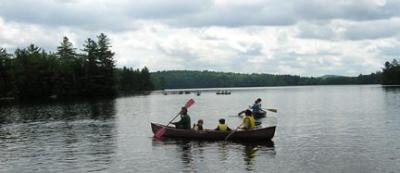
x: 319, y: 129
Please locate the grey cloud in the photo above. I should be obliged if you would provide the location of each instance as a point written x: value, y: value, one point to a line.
x: 363, y: 30
x: 390, y: 52
x: 316, y: 31
x: 350, y: 10
x: 118, y: 14
x: 373, y: 30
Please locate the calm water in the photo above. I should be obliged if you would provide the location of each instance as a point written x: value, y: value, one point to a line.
x: 319, y: 129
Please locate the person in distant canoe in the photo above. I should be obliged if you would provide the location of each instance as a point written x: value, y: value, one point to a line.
x: 199, y: 125
x: 184, y: 123
x: 222, y: 126
x: 257, y: 110
x: 248, y: 121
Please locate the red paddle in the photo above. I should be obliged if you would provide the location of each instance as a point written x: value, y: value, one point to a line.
x: 161, y: 131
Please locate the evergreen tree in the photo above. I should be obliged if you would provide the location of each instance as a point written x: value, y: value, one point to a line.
x: 146, y: 83
x: 106, y: 62
x: 92, y: 79
x: 35, y: 73
x: 68, y: 70
x: 391, y: 73
x: 5, y: 73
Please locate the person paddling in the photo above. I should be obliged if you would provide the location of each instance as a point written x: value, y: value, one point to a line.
x: 248, y: 121
x: 257, y: 110
x: 184, y: 122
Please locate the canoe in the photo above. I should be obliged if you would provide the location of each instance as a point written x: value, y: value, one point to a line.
x: 243, y: 135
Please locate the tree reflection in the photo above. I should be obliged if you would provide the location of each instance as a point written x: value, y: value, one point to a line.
x: 392, y: 88
x: 250, y: 152
x: 100, y: 109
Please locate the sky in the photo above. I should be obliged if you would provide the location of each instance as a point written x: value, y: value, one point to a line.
x: 298, y: 37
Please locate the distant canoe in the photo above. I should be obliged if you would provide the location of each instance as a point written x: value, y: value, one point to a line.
x: 242, y: 135
x: 223, y: 92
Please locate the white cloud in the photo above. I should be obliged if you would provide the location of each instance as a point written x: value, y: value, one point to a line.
x: 313, y: 37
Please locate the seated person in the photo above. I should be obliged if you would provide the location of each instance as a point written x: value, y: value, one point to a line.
x: 257, y: 110
x: 184, y: 122
x: 248, y: 121
x: 198, y: 126
x: 222, y: 126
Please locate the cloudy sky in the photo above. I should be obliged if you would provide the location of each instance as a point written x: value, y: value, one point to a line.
x: 302, y: 37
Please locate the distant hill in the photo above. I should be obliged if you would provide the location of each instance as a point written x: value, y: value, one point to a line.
x: 177, y: 79
x: 330, y: 76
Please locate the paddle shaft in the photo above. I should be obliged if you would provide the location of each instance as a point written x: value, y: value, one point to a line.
x: 230, y: 134
x: 187, y: 105
x: 173, y: 118
x: 272, y: 110
x: 161, y: 131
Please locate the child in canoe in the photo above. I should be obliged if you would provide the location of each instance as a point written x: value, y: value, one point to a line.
x: 248, y: 121
x: 222, y: 126
x: 199, y: 125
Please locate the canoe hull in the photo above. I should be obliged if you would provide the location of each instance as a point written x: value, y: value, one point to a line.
x: 253, y: 135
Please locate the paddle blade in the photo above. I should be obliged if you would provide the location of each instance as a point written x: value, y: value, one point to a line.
x: 160, y: 133
x: 273, y: 110
x: 189, y: 103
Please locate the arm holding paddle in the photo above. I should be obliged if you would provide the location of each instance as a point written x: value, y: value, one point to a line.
x: 184, y: 123
x: 247, y: 124
x: 161, y: 131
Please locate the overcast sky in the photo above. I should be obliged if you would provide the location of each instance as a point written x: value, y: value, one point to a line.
x: 301, y: 37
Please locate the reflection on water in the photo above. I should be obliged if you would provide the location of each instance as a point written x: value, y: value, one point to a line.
x: 191, y: 153
x: 320, y: 129
x: 251, y: 149
x: 393, y: 88
x: 45, y: 138
x: 57, y: 110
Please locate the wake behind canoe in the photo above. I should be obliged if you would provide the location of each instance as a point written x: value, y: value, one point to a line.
x: 254, y: 135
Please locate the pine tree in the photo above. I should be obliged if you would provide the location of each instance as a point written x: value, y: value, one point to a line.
x: 35, y: 72
x: 5, y: 73
x: 145, y: 79
x: 67, y: 83
x: 106, y: 62
x: 91, y: 77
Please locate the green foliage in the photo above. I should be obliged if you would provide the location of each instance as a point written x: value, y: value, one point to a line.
x: 134, y: 80
x: 5, y: 73
x: 68, y: 70
x: 208, y: 79
x: 32, y: 73
x: 391, y: 73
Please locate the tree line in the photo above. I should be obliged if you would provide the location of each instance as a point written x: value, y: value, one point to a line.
x: 32, y: 72
x: 391, y: 73
x: 209, y: 79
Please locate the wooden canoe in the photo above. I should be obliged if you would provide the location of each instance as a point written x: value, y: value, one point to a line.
x: 258, y: 134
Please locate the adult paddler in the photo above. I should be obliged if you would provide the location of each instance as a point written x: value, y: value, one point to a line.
x: 184, y: 122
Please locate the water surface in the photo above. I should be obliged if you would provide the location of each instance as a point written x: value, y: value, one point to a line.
x: 319, y: 129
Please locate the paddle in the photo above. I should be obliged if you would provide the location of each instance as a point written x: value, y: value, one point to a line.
x: 161, y: 131
x: 272, y: 110
x: 230, y: 134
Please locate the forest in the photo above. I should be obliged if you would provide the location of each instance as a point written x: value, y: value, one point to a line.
x: 175, y: 79
x: 32, y: 73
x: 209, y: 79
